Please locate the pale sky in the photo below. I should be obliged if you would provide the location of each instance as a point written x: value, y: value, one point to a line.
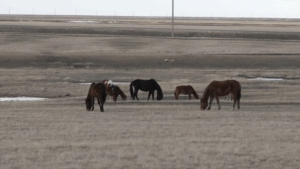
x: 192, y: 8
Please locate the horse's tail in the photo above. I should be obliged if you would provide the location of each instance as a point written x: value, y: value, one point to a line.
x: 131, y: 91
x: 195, y: 94
x: 123, y: 96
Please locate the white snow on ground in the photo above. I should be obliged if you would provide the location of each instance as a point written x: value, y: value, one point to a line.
x: 267, y: 79
x: 84, y: 22
x: 3, y: 99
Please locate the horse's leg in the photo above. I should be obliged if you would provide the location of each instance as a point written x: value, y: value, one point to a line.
x: 93, y: 102
x: 149, y: 94
x: 190, y: 96
x: 234, y: 101
x: 238, y: 104
x: 176, y: 95
x: 211, y: 98
x: 100, y: 102
x: 153, y: 94
x: 117, y: 97
x: 114, y: 97
x: 218, y: 102
x: 101, y: 106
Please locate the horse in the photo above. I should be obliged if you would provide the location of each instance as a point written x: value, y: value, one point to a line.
x: 97, y: 90
x: 113, y: 90
x: 185, y: 90
x: 145, y: 85
x: 221, y: 88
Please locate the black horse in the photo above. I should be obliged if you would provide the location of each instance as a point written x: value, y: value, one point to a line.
x: 145, y: 85
x: 97, y: 90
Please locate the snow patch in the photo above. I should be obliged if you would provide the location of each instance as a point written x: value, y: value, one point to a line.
x: 267, y: 79
x: 84, y: 22
x: 3, y: 99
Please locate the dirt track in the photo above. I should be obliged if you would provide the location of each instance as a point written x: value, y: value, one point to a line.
x: 59, y: 133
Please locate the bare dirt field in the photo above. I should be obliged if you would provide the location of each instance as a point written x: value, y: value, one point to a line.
x: 51, y: 56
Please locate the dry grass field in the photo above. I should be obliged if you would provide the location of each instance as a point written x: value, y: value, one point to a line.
x: 50, y: 57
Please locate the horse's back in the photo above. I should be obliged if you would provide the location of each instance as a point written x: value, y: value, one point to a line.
x: 145, y: 83
x: 225, y: 83
x: 224, y: 87
x: 185, y: 89
x: 97, y: 89
x: 235, y: 83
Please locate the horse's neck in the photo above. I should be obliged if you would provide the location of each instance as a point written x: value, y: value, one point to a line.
x: 158, y: 88
x: 205, y: 94
x: 89, y: 97
x: 159, y: 91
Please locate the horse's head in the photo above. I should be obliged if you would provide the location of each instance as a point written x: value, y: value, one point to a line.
x: 159, y: 96
x: 203, y: 104
x: 89, y: 105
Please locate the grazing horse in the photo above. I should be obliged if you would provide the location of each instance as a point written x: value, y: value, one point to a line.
x: 145, y: 85
x: 185, y: 90
x: 113, y: 90
x: 97, y: 90
x: 221, y: 88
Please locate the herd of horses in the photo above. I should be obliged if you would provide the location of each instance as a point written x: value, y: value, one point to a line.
x: 213, y: 91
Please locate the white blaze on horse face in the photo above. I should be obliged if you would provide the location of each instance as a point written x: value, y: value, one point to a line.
x: 109, y: 82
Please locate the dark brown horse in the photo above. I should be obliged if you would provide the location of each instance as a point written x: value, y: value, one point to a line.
x: 189, y: 90
x: 97, y: 90
x: 221, y: 88
x: 113, y: 90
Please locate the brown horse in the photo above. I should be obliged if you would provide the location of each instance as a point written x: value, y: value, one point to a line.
x: 97, y: 90
x: 113, y: 90
x: 185, y: 90
x: 221, y: 88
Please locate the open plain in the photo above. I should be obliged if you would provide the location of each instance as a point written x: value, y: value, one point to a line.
x: 54, y: 56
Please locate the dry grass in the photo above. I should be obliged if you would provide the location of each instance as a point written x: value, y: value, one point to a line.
x: 147, y: 135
